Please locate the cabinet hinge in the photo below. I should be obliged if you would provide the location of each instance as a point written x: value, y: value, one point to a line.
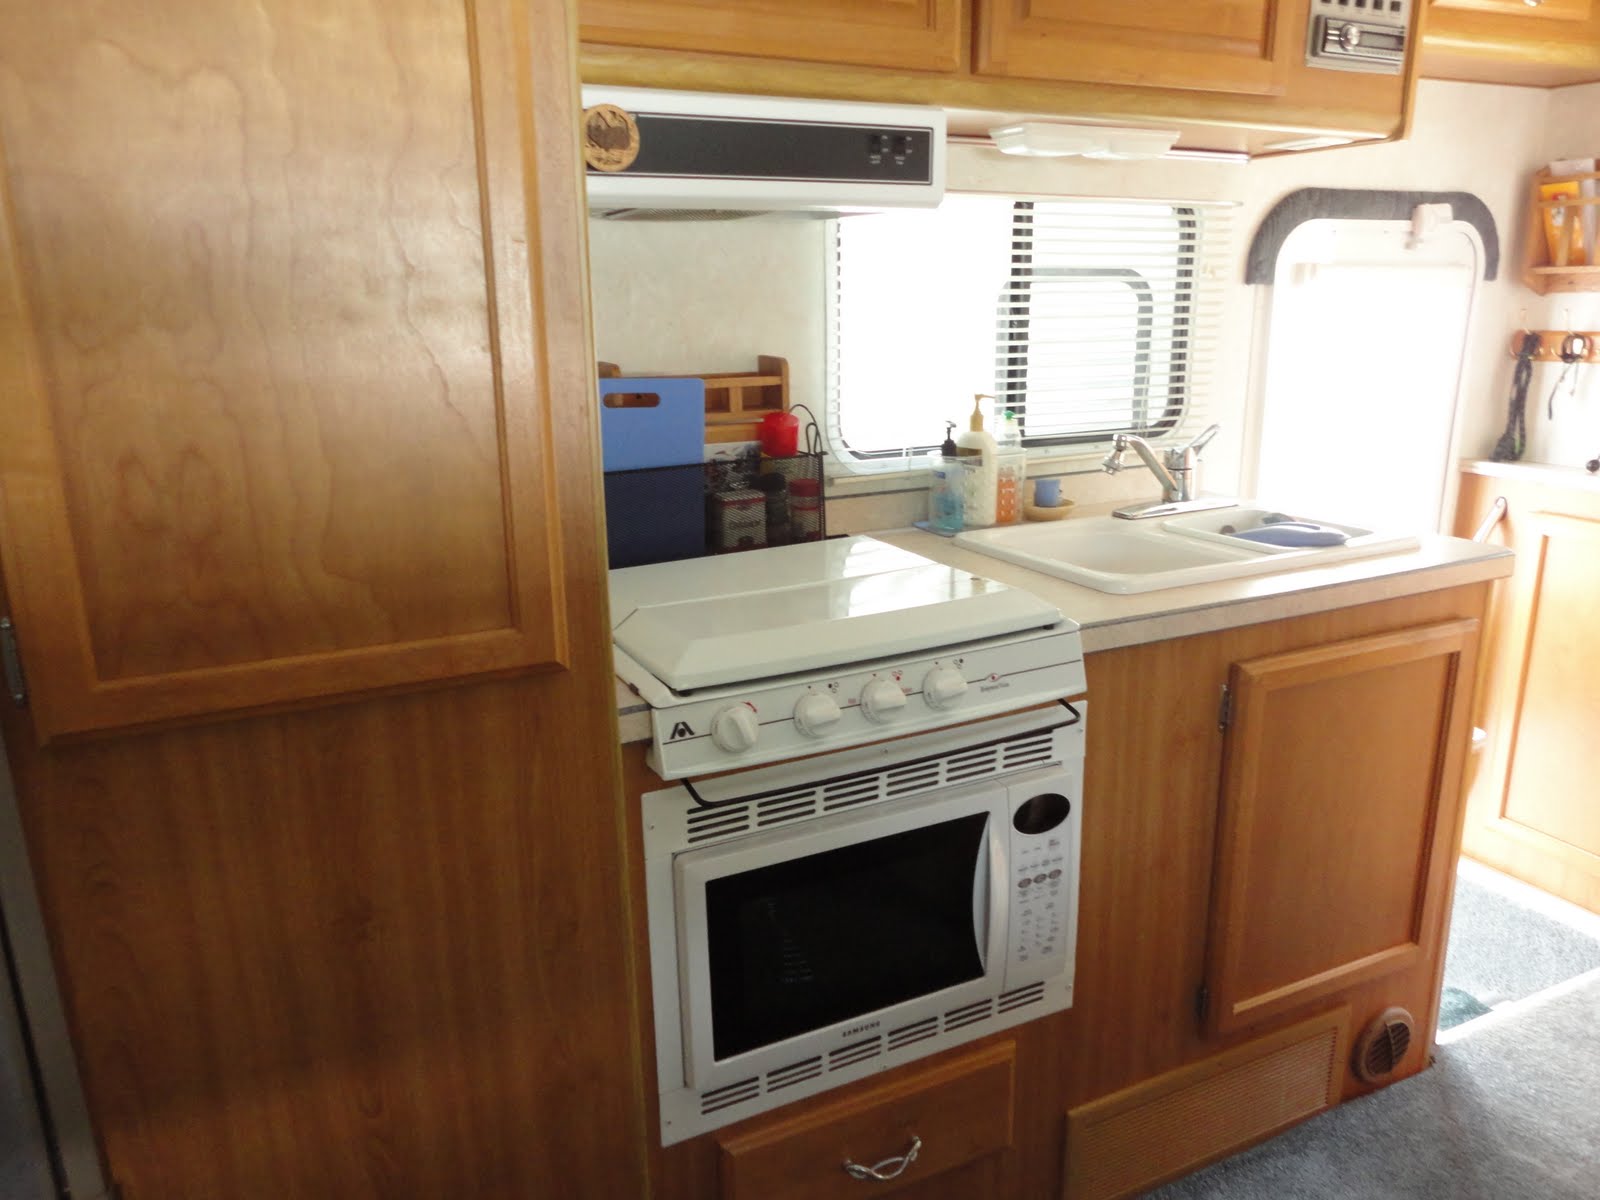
x: 1225, y: 708
x: 11, y: 661
x: 1202, y: 1003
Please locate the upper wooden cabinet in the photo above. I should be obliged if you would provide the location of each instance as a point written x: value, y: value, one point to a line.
x: 283, y: 304
x: 1548, y: 44
x: 1226, y: 74
x: 1337, y: 826
x: 1552, y: 10
x: 923, y: 35
x: 1242, y: 46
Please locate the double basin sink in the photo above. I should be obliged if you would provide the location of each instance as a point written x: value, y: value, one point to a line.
x: 1110, y: 554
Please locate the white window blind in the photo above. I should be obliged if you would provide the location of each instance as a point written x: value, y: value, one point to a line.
x: 1085, y: 318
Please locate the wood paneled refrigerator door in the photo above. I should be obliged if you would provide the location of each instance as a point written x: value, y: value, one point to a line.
x: 1339, y: 816
x: 924, y: 35
x: 1238, y: 46
x: 272, y: 278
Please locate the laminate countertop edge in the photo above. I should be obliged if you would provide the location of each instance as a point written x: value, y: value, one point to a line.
x: 1109, y: 622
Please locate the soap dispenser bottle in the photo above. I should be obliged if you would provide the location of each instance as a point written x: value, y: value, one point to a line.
x: 945, y: 487
x: 978, y: 450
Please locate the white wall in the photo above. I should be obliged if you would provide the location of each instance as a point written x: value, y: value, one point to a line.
x: 710, y: 297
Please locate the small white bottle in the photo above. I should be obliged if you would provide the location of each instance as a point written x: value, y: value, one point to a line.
x: 979, y: 452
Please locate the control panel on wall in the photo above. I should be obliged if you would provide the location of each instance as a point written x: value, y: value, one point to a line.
x: 1359, y: 35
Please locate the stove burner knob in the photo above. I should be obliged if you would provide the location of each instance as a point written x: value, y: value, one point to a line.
x: 943, y: 686
x: 815, y: 714
x: 881, y: 699
x: 734, y: 729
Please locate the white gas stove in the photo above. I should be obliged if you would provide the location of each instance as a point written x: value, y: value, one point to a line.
x: 773, y: 654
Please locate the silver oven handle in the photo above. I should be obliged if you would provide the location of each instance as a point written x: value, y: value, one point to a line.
x: 889, y: 1168
x: 990, y: 895
x: 982, y: 901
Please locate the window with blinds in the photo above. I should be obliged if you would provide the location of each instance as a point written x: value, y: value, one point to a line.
x: 1085, y: 318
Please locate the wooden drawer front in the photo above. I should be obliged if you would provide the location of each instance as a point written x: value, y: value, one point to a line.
x: 961, y: 1111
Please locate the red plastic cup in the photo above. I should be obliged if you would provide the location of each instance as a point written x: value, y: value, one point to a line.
x: 779, y: 434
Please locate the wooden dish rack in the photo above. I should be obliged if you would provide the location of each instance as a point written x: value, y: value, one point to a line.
x: 736, y: 400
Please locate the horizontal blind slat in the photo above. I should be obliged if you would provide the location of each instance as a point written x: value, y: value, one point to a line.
x: 1099, y: 317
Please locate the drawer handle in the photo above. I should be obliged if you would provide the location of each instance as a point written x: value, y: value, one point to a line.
x: 889, y: 1168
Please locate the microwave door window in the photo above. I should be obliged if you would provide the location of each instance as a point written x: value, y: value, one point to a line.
x: 803, y: 944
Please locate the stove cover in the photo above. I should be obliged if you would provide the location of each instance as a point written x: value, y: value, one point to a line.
x: 765, y: 613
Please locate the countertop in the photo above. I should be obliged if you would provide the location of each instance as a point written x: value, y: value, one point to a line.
x: 1109, y: 621
x: 1548, y: 474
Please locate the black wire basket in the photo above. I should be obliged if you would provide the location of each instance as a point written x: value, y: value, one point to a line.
x: 744, y: 502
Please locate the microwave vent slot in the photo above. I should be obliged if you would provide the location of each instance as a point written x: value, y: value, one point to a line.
x: 794, y: 1073
x: 855, y: 1053
x: 729, y: 817
x: 1027, y: 752
x: 969, y: 1014
x: 789, y: 806
x: 709, y: 824
x: 903, y: 781
x: 917, y: 1032
x: 730, y: 1094
x: 974, y: 764
x: 844, y: 793
x: 1021, y: 997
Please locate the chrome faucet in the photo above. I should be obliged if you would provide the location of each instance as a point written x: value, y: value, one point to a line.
x: 1177, y: 470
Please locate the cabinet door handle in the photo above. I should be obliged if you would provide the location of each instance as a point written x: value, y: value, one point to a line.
x: 889, y: 1168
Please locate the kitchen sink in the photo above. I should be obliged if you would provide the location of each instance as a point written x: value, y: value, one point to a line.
x: 1113, y: 555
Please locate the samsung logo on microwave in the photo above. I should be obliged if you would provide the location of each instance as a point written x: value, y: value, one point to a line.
x: 855, y: 1029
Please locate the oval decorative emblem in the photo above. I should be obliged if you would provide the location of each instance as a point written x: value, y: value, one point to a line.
x: 610, y: 138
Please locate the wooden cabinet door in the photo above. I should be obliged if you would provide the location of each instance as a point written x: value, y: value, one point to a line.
x: 284, y: 302
x: 920, y: 35
x: 1535, y: 809
x: 1239, y: 46
x: 1336, y: 833
x: 1556, y: 10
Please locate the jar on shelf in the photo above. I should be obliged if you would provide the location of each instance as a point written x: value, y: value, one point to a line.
x: 805, y: 510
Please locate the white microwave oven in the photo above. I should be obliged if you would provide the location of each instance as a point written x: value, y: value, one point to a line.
x: 815, y: 922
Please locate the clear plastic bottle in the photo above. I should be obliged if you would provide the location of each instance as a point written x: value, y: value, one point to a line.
x: 1011, y: 471
x: 978, y: 450
x: 945, y: 487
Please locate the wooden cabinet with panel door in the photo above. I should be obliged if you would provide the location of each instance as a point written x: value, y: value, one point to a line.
x: 280, y: 394
x: 298, y: 388
x: 1542, y: 43
x: 1532, y: 809
x: 1338, y: 817
x: 919, y: 35
x: 1243, y: 46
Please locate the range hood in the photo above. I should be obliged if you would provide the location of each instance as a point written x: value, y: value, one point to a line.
x: 691, y: 155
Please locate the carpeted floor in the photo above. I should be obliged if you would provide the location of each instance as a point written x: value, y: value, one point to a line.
x: 1511, y: 1112
x: 1510, y: 1109
x: 1508, y: 941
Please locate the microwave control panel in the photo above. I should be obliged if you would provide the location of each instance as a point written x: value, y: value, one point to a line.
x: 1042, y: 933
